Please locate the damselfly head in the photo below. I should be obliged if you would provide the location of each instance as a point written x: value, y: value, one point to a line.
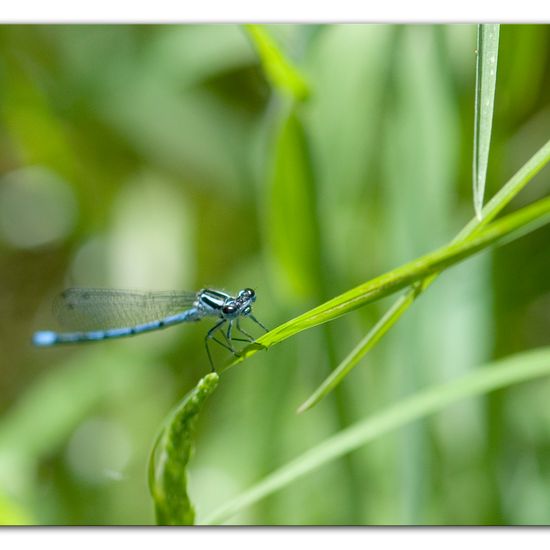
x: 241, y: 305
x: 247, y: 294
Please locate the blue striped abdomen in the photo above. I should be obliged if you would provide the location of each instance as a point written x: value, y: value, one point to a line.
x: 50, y: 338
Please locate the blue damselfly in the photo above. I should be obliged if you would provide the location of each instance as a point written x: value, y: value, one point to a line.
x: 100, y: 314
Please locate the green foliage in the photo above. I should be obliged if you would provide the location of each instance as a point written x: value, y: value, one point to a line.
x: 299, y: 160
x: 499, y: 201
x: 171, y: 453
x: 508, y: 228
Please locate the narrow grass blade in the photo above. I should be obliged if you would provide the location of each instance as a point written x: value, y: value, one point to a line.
x: 486, y: 77
x: 493, y: 207
x: 503, y: 373
x: 512, y: 226
x: 366, y: 344
x: 170, y: 455
x: 280, y: 71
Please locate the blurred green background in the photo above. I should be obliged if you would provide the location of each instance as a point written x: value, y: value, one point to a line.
x: 159, y: 157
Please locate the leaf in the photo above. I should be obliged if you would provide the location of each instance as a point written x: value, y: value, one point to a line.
x: 510, y: 227
x: 486, y: 77
x: 293, y: 223
x: 503, y: 373
x: 171, y: 453
x: 280, y: 71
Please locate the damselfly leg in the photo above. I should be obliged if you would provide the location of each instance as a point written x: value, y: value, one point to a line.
x: 258, y: 322
x: 249, y: 337
x: 230, y: 338
x: 211, y: 335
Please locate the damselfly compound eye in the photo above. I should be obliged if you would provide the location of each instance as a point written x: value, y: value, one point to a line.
x: 229, y: 309
x: 248, y: 293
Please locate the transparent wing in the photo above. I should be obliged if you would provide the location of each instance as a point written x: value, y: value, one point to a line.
x: 98, y: 308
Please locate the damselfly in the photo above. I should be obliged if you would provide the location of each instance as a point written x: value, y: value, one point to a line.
x: 101, y: 314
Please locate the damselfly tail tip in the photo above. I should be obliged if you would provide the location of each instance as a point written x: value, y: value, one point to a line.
x: 44, y: 338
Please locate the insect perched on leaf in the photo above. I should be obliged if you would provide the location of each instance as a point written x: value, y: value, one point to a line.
x: 101, y: 314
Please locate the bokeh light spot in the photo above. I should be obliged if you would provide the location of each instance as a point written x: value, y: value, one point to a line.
x: 99, y: 450
x: 37, y: 208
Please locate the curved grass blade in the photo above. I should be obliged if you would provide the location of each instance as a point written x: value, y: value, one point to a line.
x: 280, y: 71
x: 503, y: 373
x: 492, y: 208
x: 486, y: 77
x: 510, y: 227
x: 171, y: 453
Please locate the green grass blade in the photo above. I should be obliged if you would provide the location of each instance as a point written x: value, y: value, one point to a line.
x: 280, y: 71
x: 366, y: 344
x: 491, y: 209
x: 292, y: 209
x: 170, y: 455
x: 486, y: 77
x: 503, y: 373
x: 512, y: 226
